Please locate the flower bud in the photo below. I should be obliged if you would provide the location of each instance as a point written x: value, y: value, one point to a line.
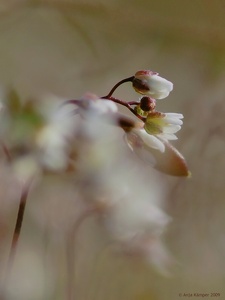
x: 147, y: 103
x: 150, y: 83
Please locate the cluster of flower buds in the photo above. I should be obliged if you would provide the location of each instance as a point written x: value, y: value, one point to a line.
x: 152, y: 130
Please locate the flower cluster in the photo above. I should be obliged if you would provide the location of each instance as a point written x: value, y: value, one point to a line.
x: 79, y: 138
x: 156, y: 129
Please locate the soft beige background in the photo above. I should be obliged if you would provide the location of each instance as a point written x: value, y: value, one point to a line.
x: 70, y: 47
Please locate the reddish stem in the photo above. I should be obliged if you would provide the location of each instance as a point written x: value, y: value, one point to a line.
x: 18, y: 226
x: 129, y: 79
x: 126, y: 104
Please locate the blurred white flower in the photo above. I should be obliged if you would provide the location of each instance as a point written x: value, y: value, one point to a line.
x: 131, y: 218
x: 150, y: 83
x: 134, y: 216
x: 25, y: 167
x: 101, y: 106
x: 91, y: 106
x: 53, y: 138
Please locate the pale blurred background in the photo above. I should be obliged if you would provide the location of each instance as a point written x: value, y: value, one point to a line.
x: 68, y: 47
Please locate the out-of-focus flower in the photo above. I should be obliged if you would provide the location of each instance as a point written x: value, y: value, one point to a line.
x: 53, y: 139
x: 134, y: 217
x: 91, y: 105
x: 99, y: 106
x: 150, y: 83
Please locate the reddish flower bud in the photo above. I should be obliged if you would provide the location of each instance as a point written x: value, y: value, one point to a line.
x: 147, y: 103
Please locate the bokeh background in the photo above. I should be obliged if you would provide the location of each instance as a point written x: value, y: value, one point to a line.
x: 69, y: 47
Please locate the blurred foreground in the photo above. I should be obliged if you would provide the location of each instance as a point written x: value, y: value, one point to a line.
x: 66, y: 48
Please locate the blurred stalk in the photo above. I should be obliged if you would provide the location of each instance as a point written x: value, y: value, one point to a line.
x: 71, y: 250
x: 17, y: 229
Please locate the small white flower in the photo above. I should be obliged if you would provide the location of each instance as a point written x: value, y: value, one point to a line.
x: 163, y: 125
x: 150, y: 83
x: 158, y: 127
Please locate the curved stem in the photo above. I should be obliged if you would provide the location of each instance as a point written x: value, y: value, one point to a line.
x: 126, y: 104
x: 129, y: 79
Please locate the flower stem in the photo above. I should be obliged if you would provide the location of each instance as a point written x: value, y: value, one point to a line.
x: 129, y: 79
x: 18, y: 226
x: 126, y: 104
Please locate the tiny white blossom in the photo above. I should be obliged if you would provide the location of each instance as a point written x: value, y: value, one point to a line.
x: 150, y: 83
x: 159, y: 127
x: 163, y: 125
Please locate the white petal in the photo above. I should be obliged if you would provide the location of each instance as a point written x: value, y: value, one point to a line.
x: 150, y: 140
x: 159, y: 87
x: 173, y: 121
x: 160, y: 83
x: 175, y: 115
x: 171, y: 128
x: 168, y: 136
x: 158, y: 95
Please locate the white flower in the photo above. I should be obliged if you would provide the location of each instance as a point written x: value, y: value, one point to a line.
x: 158, y: 127
x: 53, y: 139
x: 150, y: 83
x: 163, y: 125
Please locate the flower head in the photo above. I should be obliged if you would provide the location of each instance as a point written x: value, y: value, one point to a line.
x: 150, y: 83
x: 163, y: 125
